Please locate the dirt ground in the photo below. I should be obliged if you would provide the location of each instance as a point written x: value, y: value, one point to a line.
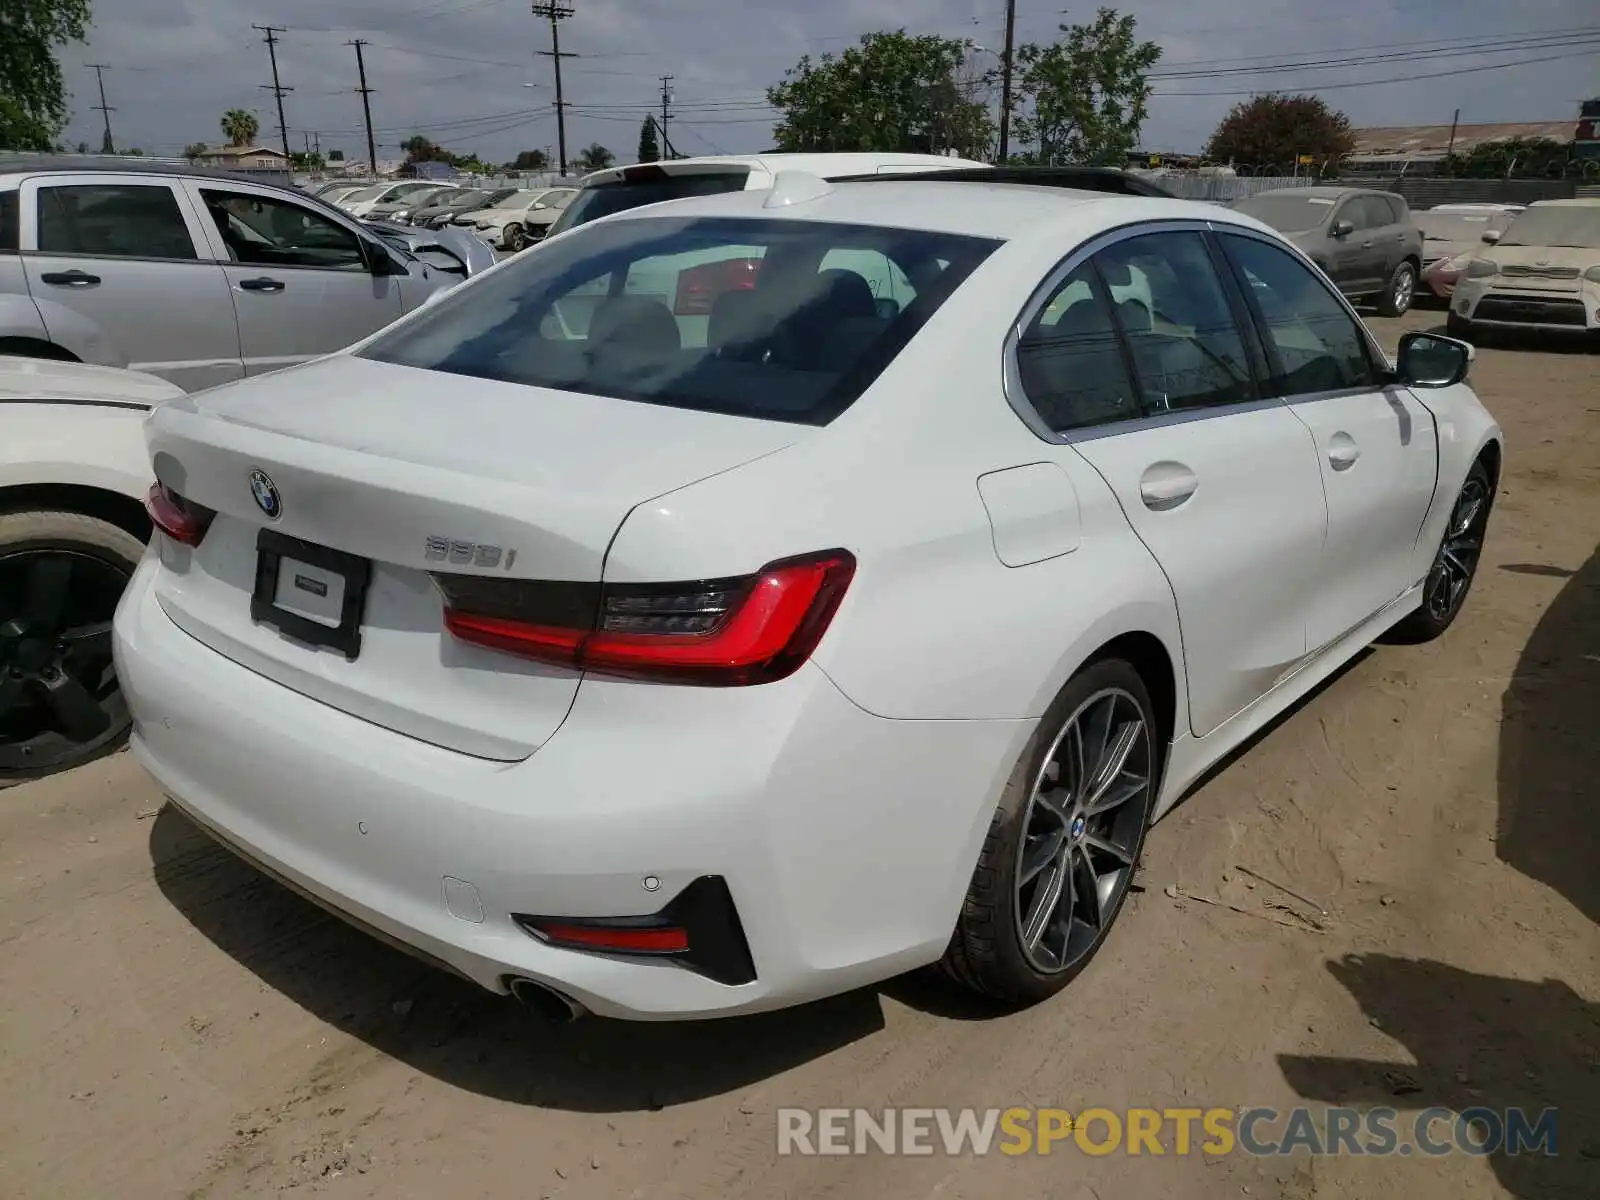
x: 172, y: 1024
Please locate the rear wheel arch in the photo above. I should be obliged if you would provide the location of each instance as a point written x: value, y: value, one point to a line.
x: 27, y: 347
x: 1148, y: 655
x: 1491, y: 456
x: 114, y: 508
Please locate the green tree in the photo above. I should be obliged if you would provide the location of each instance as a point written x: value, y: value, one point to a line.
x: 594, y: 157
x: 1525, y: 158
x: 530, y: 160
x: 649, y: 144
x: 1083, y: 98
x: 240, y: 126
x: 893, y: 91
x: 33, y: 95
x: 194, y: 150
x: 1273, y: 131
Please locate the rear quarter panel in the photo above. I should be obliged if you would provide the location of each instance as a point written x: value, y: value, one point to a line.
x: 58, y: 442
x: 1465, y: 430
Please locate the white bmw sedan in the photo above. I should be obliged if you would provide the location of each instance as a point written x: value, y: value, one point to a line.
x: 754, y: 596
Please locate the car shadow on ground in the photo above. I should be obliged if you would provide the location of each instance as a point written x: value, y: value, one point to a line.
x: 1475, y: 1041
x: 1549, y: 823
x: 454, y: 1031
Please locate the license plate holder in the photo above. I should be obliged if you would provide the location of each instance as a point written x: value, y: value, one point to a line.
x: 311, y: 593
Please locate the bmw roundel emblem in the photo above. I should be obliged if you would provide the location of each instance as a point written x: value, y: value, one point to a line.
x: 265, y: 493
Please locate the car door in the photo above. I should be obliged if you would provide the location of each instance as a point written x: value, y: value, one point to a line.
x: 1370, y: 244
x: 302, y: 283
x: 1345, y: 256
x: 124, y: 258
x: 1377, y: 449
x: 1159, y: 395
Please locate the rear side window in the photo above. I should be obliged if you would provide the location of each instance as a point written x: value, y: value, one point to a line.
x: 1071, y: 362
x: 9, y: 212
x: 748, y: 317
x: 118, y: 220
x: 605, y: 199
x: 1398, y: 206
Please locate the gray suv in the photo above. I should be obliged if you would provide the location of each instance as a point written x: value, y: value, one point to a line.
x: 198, y: 277
x: 1365, y: 241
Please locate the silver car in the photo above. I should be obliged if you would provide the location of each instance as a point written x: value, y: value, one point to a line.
x: 1365, y: 241
x: 197, y: 277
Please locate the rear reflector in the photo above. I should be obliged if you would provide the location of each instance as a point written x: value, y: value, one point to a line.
x: 180, y: 519
x: 724, y: 632
x: 601, y: 937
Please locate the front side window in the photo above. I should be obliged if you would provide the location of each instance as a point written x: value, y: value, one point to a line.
x: 265, y: 231
x: 1070, y: 361
x: 621, y: 310
x: 1318, y: 345
x: 118, y: 220
x: 1187, y: 350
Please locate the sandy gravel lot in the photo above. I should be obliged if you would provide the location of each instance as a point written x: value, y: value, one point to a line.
x: 172, y: 1024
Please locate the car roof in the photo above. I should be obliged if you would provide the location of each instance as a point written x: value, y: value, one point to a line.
x: 823, y: 165
x: 62, y: 164
x: 1322, y: 191
x: 1571, y: 202
x: 1000, y: 211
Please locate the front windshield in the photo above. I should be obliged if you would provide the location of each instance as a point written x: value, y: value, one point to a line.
x: 517, y: 200
x: 1288, y: 214
x: 1459, y: 226
x: 367, y: 193
x: 471, y: 198
x: 1570, y: 226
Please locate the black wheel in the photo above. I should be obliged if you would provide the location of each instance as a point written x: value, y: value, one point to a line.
x: 1064, y: 841
x: 516, y: 238
x: 1454, y: 566
x: 61, y: 575
x: 1395, y: 300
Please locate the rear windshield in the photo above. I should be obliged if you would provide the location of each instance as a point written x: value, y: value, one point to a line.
x: 779, y: 319
x: 603, y: 199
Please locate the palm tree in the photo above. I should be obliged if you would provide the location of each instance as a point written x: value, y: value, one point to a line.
x: 594, y: 157
x: 240, y: 126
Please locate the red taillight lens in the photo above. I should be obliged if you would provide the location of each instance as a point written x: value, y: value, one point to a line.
x: 180, y: 519
x: 699, y: 287
x: 724, y: 632
x: 643, y: 939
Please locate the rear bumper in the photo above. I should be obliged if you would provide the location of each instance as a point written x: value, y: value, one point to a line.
x: 846, y: 841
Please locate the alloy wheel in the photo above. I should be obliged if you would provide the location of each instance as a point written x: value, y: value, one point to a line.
x: 1457, y: 560
x: 1090, y: 802
x: 58, y: 689
x: 1405, y: 286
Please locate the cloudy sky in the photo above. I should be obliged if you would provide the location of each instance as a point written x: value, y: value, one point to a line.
x: 466, y: 72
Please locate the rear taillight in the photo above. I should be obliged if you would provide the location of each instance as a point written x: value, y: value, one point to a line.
x: 699, y: 287
x: 723, y: 632
x: 179, y: 518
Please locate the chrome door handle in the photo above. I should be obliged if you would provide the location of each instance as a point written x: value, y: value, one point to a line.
x: 1166, y: 485
x: 1342, y: 452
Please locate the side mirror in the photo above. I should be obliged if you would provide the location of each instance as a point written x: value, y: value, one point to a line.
x: 385, y: 263
x: 1427, y: 360
x: 1491, y: 236
x: 1342, y: 229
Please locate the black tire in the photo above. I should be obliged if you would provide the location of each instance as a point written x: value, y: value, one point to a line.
x: 63, y: 641
x: 516, y: 238
x: 1439, y: 609
x: 987, y: 954
x: 1395, y: 300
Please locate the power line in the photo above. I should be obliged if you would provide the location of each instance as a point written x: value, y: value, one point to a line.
x: 271, y: 33
x: 556, y: 11
x: 366, y: 103
x: 109, y: 147
x: 1328, y: 87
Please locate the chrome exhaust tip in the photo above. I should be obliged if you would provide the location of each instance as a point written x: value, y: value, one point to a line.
x: 547, y: 1002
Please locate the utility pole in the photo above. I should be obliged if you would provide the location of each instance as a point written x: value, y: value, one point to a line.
x: 666, y: 114
x: 366, y: 105
x: 556, y: 11
x: 1448, y: 153
x: 109, y: 147
x: 1005, y: 79
x: 270, y: 36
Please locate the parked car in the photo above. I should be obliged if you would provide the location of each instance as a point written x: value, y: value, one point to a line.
x: 400, y: 206
x: 517, y: 221
x: 1365, y: 241
x: 444, y: 210
x: 617, y: 189
x: 679, y: 669
x: 363, y: 200
x: 74, y: 473
x: 1452, y: 234
x: 198, y: 277
x: 1542, y: 273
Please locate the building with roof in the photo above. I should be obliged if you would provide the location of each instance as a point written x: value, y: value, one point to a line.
x: 243, y: 158
x: 1393, y: 148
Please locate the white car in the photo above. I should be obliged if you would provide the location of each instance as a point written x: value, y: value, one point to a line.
x: 691, y: 666
x: 1540, y: 273
x: 517, y: 220
x: 74, y: 474
x: 363, y: 200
